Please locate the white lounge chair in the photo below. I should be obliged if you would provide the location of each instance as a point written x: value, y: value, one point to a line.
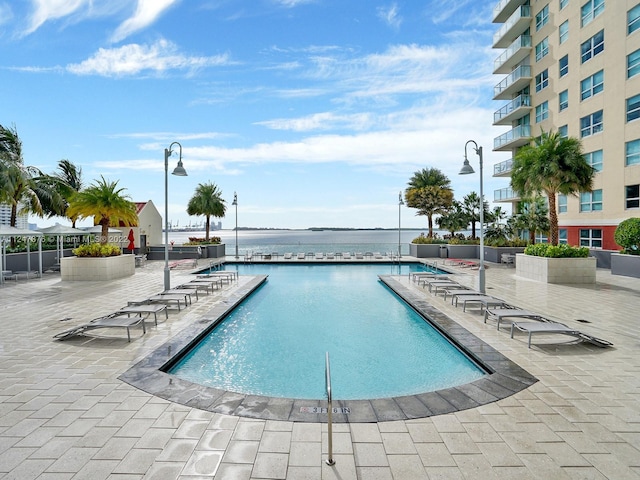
x: 301, y: 256
x: 116, y: 320
x: 500, y: 314
x: 485, y: 301
x: 319, y: 256
x: 288, y: 256
x: 558, y: 328
x: 330, y: 256
x: 346, y: 255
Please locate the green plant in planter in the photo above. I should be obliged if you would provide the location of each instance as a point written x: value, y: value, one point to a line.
x: 424, y: 240
x: 556, y: 251
x: 627, y: 235
x: 203, y: 241
x: 97, y: 250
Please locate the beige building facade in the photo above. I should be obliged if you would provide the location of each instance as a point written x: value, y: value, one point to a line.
x: 573, y: 66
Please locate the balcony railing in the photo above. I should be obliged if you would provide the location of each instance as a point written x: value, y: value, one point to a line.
x: 518, y: 102
x: 502, y: 168
x: 523, y: 72
x: 504, y: 195
x: 514, y: 53
x: 521, y: 16
x: 504, y: 8
x: 521, y: 132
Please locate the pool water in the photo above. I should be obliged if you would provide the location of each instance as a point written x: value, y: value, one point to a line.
x: 274, y: 343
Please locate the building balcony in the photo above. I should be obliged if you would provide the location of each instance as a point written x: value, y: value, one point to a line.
x: 503, y: 169
x: 517, y: 80
x: 504, y: 8
x: 505, y: 195
x: 517, y: 24
x: 517, y: 137
x: 513, y: 55
x: 515, y: 109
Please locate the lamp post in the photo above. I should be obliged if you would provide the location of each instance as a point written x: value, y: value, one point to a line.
x: 180, y: 172
x: 400, y: 203
x: 235, y: 202
x: 467, y: 169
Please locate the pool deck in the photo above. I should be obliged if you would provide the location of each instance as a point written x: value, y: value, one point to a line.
x: 64, y: 412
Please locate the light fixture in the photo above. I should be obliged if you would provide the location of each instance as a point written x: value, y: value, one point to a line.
x: 235, y: 202
x: 180, y: 172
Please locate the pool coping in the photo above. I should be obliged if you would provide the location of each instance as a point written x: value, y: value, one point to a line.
x: 504, y: 377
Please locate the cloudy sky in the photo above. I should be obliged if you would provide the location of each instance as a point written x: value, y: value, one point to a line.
x: 316, y: 112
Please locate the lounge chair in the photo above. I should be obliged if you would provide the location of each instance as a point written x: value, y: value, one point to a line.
x: 502, y: 313
x: 359, y: 256
x: 485, y: 301
x: 301, y: 256
x: 9, y: 275
x: 319, y: 256
x: 186, y: 292
x: 288, y: 256
x: 454, y: 293
x: 147, y: 309
x: 167, y: 299
x: 115, y: 320
x: 377, y: 255
x: 346, y: 255
x: 330, y: 256
x: 557, y: 328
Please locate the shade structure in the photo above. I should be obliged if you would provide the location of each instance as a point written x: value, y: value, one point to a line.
x: 6, y: 232
x: 61, y: 231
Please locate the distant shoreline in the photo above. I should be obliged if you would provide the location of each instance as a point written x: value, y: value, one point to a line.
x: 310, y: 229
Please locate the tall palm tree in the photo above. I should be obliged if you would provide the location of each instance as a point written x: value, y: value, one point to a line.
x: 532, y: 217
x: 553, y: 165
x: 69, y: 182
x: 106, y: 203
x: 471, y: 206
x: 430, y: 192
x: 454, y: 220
x: 207, y: 200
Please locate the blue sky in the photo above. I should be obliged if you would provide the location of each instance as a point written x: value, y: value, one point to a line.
x: 316, y: 112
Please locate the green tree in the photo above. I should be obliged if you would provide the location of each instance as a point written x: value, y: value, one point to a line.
x: 454, y: 219
x: 207, y: 200
x: 533, y: 216
x: 553, y: 165
x: 106, y: 203
x: 68, y: 182
x: 471, y: 207
x: 430, y: 192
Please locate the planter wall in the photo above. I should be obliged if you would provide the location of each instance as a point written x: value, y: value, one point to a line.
x: 427, y: 250
x: 494, y: 254
x: 90, y: 269
x: 179, y: 252
x: 626, y: 265
x: 556, y: 270
x: 463, y: 251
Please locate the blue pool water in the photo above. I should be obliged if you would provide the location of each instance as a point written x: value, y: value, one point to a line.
x: 274, y: 343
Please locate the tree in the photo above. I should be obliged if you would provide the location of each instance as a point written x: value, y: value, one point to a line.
x: 68, y: 183
x: 553, y: 165
x: 533, y: 217
x: 106, y: 203
x: 207, y: 200
x: 454, y: 219
x: 430, y: 192
x: 471, y: 207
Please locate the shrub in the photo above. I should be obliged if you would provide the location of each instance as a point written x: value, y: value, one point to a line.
x: 556, y: 251
x: 503, y: 242
x: 627, y: 235
x: 203, y: 241
x: 424, y: 240
x: 97, y: 250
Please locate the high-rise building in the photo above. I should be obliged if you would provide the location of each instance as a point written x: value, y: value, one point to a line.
x: 573, y: 66
x: 22, y: 221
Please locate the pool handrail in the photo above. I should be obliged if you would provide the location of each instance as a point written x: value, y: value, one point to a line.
x: 327, y: 380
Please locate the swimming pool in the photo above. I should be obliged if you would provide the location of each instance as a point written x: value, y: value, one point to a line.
x: 273, y: 344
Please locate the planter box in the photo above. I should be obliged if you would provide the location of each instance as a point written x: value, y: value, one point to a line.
x: 463, y: 251
x: 90, y: 269
x: 556, y: 270
x: 427, y: 250
x: 626, y: 265
x: 494, y: 254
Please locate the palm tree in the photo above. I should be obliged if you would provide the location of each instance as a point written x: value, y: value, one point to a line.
x: 533, y: 217
x: 207, y: 200
x: 106, y: 203
x: 471, y: 207
x: 553, y: 165
x: 69, y: 182
x: 430, y: 192
x: 454, y: 219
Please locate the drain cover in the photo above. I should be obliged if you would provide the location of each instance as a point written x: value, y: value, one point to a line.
x: 581, y: 320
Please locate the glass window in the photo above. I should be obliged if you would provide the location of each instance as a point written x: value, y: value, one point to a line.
x: 562, y: 235
x: 633, y: 64
x: 633, y: 108
x: 542, y: 17
x: 564, y: 65
x: 593, y: 46
x: 591, y: 237
x: 542, y: 80
x: 592, y: 85
x: 563, y: 3
x: 632, y: 196
x: 563, y: 131
x: 564, y: 31
x: 542, y: 49
x: 591, y: 124
x: 542, y: 112
x: 633, y: 19
x: 562, y: 203
x: 591, y: 201
x: 633, y: 153
x: 563, y: 98
x: 591, y: 10
x: 595, y: 160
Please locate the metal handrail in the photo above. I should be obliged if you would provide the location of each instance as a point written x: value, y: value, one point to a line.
x: 327, y: 380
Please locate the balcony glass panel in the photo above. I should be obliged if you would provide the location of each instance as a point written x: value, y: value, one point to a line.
x: 523, y: 71
x: 509, y: 108
x: 521, y: 131
x: 523, y: 41
x: 504, y: 194
x: 522, y: 13
x: 503, y: 167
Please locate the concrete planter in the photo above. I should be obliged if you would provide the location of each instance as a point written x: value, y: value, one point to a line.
x: 463, y: 251
x: 556, y: 270
x: 426, y: 250
x: 91, y: 269
x: 626, y: 265
x: 494, y: 254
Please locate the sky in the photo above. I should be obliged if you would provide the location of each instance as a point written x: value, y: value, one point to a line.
x: 316, y: 112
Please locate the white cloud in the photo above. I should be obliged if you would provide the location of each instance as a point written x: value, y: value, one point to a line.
x: 6, y: 14
x: 321, y: 121
x: 146, y: 13
x: 390, y: 15
x: 133, y: 59
x: 292, y: 3
x: 45, y: 10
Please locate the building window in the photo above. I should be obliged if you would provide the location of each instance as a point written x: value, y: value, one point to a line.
x: 563, y: 131
x: 562, y: 235
x: 632, y: 196
x: 591, y: 237
x: 591, y: 201
x: 593, y: 46
x: 595, y: 160
x: 542, y: 80
x: 591, y: 124
x: 633, y: 64
x: 592, y: 85
x: 542, y: 112
x: 564, y: 65
x: 633, y: 108
x: 591, y: 10
x: 633, y: 153
x: 563, y: 98
x: 564, y: 31
x: 563, y: 3
x: 633, y: 19
x: 542, y: 17
x: 562, y: 203
x: 542, y: 49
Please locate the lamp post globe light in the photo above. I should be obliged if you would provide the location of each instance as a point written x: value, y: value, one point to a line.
x: 235, y: 202
x: 467, y: 169
x: 400, y: 203
x: 180, y: 172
